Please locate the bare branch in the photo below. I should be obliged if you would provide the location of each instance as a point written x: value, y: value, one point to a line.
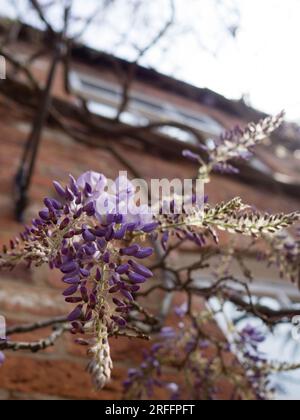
x: 20, y: 329
x: 20, y: 67
x: 37, y: 7
x: 35, y: 346
x: 129, y: 77
x: 265, y: 313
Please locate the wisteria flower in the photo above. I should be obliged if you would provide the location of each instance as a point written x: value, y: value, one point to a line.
x: 2, y: 358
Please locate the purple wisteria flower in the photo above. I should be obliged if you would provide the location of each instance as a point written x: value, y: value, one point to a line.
x: 255, y: 362
x: 142, y: 382
x: 92, y: 235
x: 188, y: 347
x: 234, y: 144
x: 117, y: 198
x: 2, y: 358
x: 252, y: 335
x: 96, y: 260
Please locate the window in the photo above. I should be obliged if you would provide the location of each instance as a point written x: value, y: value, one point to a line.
x: 104, y: 98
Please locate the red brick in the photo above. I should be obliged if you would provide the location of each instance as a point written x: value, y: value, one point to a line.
x: 55, y: 377
x: 33, y: 300
x: 35, y: 336
x: 123, y: 349
x: 54, y: 279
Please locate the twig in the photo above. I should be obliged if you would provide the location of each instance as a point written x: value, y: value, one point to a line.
x: 141, y: 53
x: 267, y: 314
x: 37, y: 7
x: 23, y: 68
x: 20, y: 329
x: 36, y: 346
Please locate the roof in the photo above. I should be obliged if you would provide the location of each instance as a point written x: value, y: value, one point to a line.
x: 282, y: 176
x: 95, y: 58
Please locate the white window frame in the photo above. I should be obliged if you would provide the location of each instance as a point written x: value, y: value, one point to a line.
x: 95, y: 89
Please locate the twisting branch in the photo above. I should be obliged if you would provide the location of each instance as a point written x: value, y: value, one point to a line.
x: 35, y: 346
x: 265, y: 313
x: 38, y: 8
x: 12, y: 34
x: 20, y: 329
x: 22, y: 68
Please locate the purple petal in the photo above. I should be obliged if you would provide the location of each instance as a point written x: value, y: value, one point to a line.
x: 136, y: 278
x: 93, y: 301
x: 144, y: 253
x: 130, y: 251
x: 88, y: 236
x: 76, y: 314
x: 115, y: 288
x: 140, y: 269
x: 98, y: 275
x: 59, y: 189
x: 134, y: 288
x: 84, y: 294
x: 127, y: 294
x: 89, y: 209
x: 150, y: 227
x: 70, y: 290
x: 120, y: 233
x: 190, y: 155
x: 64, y: 223
x: 2, y: 358
x: 73, y: 299
x: 120, y: 321
x: 69, y: 267
x: 84, y: 272
x: 72, y: 280
x: 118, y: 302
x: 122, y: 269
x: 44, y: 214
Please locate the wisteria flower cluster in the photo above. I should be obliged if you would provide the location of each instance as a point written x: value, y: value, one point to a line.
x: 105, y: 251
x: 284, y: 252
x: 100, y: 262
x: 205, y: 358
x: 195, y: 347
x: 235, y: 144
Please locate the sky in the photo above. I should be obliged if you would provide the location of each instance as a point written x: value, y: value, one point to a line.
x: 261, y: 63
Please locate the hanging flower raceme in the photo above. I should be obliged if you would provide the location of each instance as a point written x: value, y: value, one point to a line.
x: 234, y: 144
x: 2, y: 358
x: 89, y: 236
x: 100, y: 262
x: 284, y: 252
